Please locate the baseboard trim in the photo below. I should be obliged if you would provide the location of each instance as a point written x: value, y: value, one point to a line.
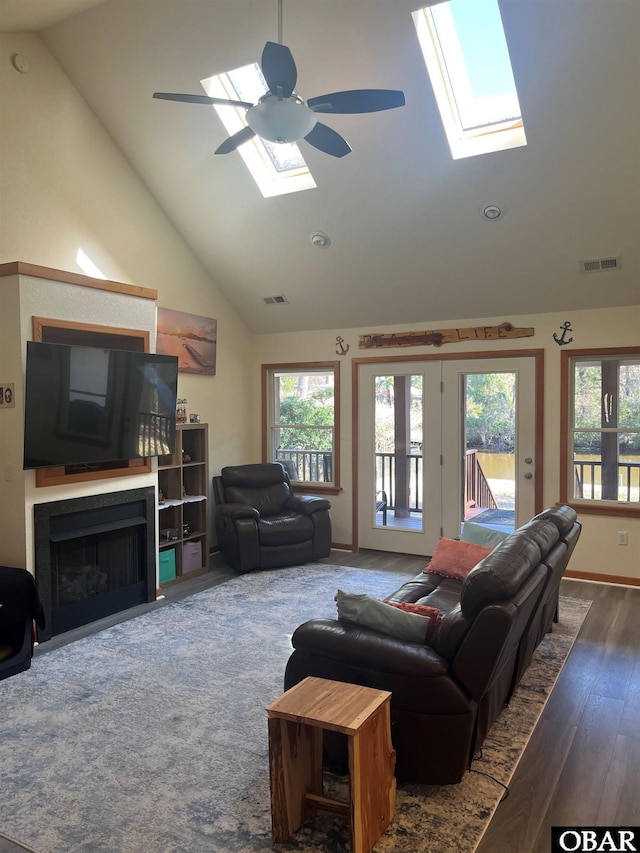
x: 592, y: 577
x: 341, y: 546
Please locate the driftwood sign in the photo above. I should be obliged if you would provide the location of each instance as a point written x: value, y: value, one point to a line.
x: 437, y: 337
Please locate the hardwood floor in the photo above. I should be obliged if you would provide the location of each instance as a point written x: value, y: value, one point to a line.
x: 580, y: 767
x: 581, y: 764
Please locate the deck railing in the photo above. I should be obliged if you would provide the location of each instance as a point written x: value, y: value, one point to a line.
x: 477, y: 491
x: 311, y: 466
x: 316, y: 466
x: 587, y: 480
x: 386, y: 479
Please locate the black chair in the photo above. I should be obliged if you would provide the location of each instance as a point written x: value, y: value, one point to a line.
x: 262, y: 524
x: 19, y: 606
x: 382, y: 505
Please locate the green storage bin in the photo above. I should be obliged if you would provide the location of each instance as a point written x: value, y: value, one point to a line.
x: 167, y: 565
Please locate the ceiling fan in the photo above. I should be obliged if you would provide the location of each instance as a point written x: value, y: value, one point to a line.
x: 282, y: 116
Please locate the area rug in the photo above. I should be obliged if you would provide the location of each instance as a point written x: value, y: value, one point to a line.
x: 151, y: 736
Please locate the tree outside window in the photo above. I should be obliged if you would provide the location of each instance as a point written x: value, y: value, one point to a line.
x: 301, y: 420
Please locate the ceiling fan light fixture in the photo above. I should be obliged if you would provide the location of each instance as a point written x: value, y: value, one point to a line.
x: 281, y: 120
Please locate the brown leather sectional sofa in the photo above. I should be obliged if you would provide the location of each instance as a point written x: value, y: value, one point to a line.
x: 446, y: 694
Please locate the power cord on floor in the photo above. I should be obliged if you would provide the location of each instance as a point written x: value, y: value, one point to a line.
x: 478, y: 757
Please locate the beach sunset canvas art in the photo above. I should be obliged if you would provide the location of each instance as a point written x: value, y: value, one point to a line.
x: 189, y: 337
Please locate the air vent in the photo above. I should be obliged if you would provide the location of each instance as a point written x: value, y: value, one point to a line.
x: 600, y: 264
x: 274, y: 300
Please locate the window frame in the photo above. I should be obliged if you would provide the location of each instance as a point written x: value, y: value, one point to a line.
x: 568, y: 358
x: 444, y: 72
x: 268, y: 372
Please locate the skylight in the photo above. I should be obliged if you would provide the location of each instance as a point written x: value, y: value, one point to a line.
x: 276, y: 168
x: 467, y: 57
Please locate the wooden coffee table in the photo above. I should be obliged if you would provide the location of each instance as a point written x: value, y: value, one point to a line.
x: 296, y: 721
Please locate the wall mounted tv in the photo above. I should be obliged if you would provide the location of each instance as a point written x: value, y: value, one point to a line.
x: 87, y: 405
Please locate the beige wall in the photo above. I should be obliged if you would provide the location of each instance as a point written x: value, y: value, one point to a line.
x: 598, y: 551
x: 65, y: 186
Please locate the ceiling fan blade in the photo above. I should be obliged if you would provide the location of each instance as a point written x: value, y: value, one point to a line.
x: 200, y: 99
x: 325, y: 139
x: 236, y: 140
x: 357, y: 101
x: 279, y: 69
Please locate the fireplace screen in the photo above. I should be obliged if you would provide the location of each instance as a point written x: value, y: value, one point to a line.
x: 95, y: 557
x: 89, y: 566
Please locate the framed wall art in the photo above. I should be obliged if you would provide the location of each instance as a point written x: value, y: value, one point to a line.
x: 191, y: 338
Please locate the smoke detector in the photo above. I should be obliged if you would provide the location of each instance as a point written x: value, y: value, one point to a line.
x: 320, y: 240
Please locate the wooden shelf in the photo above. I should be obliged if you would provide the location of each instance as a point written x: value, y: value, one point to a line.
x: 183, y: 479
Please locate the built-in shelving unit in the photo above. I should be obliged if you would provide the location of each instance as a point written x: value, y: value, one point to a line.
x: 183, y: 510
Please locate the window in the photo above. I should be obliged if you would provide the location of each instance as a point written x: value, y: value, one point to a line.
x: 466, y: 54
x: 301, y: 419
x: 601, y: 420
x: 276, y: 168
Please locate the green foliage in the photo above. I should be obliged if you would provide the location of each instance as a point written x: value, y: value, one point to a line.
x: 303, y: 413
x: 490, y: 406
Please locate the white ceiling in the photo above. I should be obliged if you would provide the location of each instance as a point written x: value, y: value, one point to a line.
x: 408, y: 242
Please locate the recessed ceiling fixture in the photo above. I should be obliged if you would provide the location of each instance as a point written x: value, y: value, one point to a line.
x: 320, y: 240
x: 491, y: 212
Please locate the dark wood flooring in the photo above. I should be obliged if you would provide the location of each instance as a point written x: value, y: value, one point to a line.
x: 582, y: 764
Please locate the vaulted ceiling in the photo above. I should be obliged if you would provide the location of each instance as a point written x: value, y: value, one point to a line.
x: 408, y: 242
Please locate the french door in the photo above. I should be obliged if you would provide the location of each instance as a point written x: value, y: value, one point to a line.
x: 440, y: 442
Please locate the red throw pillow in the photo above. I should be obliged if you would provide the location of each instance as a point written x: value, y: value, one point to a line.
x: 420, y: 609
x: 454, y: 558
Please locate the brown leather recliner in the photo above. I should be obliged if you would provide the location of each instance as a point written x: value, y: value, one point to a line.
x: 262, y: 524
x: 447, y: 692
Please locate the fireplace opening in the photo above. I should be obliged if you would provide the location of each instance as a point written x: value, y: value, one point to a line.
x: 95, y: 556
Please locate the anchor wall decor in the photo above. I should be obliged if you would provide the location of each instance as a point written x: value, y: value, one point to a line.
x: 562, y: 340
x: 342, y: 350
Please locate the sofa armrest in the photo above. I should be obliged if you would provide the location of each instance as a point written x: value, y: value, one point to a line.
x: 237, y: 511
x: 307, y: 504
x: 362, y: 647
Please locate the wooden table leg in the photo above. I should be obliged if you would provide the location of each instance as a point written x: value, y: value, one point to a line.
x: 295, y: 769
x: 372, y: 781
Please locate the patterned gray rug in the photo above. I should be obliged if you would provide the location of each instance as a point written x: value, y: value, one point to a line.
x: 151, y: 736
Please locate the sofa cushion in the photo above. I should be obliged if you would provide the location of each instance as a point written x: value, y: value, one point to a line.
x: 454, y: 558
x: 563, y: 516
x: 269, y: 500
x: 286, y: 528
x: 500, y: 574
x: 379, y: 616
x: 481, y: 535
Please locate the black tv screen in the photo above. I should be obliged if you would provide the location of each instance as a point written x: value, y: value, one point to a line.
x: 89, y: 405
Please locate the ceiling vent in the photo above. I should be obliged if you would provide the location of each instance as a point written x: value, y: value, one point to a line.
x: 274, y: 300
x: 600, y: 264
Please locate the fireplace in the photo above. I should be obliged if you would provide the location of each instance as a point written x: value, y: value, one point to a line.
x: 94, y: 556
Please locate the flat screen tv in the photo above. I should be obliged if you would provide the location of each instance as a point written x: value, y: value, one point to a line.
x: 87, y: 405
